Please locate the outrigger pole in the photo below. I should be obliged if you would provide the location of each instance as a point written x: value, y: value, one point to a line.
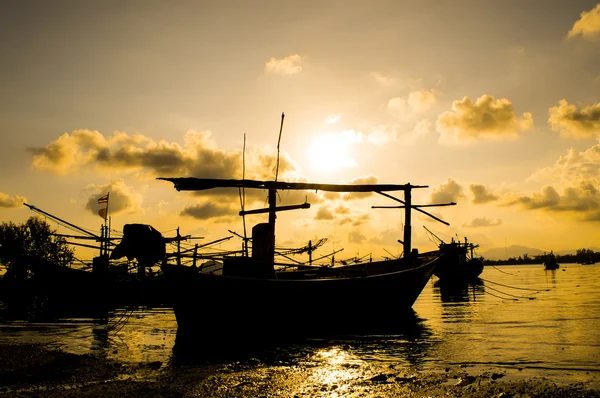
x: 37, y: 210
x: 408, y: 206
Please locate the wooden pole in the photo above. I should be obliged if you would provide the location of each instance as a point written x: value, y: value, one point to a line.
x: 178, y: 247
x: 407, y: 218
x: 195, y: 255
x: 272, y: 217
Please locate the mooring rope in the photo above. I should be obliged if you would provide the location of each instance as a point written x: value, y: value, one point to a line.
x: 512, y: 287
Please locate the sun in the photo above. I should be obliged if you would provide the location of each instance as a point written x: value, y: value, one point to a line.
x: 330, y: 153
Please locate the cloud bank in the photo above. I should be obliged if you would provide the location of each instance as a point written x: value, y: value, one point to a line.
x: 290, y: 65
x: 485, y: 118
x: 122, y: 198
x: 588, y: 25
x: 8, y: 201
x: 481, y: 194
x: 482, y: 222
x: 577, y: 123
x: 451, y: 191
x: 199, y: 156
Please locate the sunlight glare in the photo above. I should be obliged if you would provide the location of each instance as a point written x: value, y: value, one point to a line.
x: 330, y: 152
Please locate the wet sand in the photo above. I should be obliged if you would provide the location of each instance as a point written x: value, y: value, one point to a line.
x: 33, y: 371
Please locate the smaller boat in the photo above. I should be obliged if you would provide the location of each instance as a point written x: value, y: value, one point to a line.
x: 550, y: 261
x: 458, y: 261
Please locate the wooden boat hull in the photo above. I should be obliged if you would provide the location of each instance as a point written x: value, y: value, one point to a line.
x: 452, y: 270
x: 217, y: 306
x: 456, y: 266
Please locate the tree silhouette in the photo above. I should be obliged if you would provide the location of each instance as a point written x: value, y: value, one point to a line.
x: 34, y: 240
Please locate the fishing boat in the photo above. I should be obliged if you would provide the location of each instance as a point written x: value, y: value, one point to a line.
x: 253, y: 297
x: 458, y: 263
x: 550, y: 262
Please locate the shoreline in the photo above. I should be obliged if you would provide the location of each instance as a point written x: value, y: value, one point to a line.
x: 29, y: 370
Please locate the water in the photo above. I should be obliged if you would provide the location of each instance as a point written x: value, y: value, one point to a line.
x: 519, y: 320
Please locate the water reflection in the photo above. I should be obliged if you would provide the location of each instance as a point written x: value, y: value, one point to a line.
x: 459, y: 291
x: 403, y: 337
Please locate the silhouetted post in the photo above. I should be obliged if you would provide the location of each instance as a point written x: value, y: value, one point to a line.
x: 195, y: 254
x: 272, y: 217
x: 407, y: 229
x: 178, y: 247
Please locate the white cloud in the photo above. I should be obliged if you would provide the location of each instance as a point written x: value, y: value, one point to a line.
x: 485, y: 118
x: 582, y: 200
x: 331, y: 119
x: 451, y: 191
x: 123, y: 153
x: 382, y: 79
x: 8, y: 201
x: 415, y: 103
x: 577, y: 123
x: 290, y: 65
x: 122, y: 198
x: 588, y: 25
x: 480, y: 222
x: 574, y: 167
x: 481, y: 194
x: 380, y: 135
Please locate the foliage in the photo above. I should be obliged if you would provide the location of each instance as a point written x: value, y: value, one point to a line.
x: 582, y: 256
x: 34, y: 239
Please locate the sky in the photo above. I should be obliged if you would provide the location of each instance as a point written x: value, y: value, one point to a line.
x: 492, y: 105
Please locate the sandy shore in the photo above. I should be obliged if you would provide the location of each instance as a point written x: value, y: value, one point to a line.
x: 32, y: 371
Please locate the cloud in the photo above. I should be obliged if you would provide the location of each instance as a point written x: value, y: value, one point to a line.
x: 577, y: 123
x: 582, y: 200
x: 486, y: 118
x: 451, y: 191
x: 382, y: 79
x: 355, y: 219
x: 331, y: 119
x: 481, y: 194
x: 381, y: 135
x: 126, y: 153
x: 356, y: 237
x: 574, y: 167
x: 122, y: 198
x: 588, y: 25
x: 480, y: 222
x: 388, y: 237
x: 342, y: 210
x: 208, y: 210
x: 415, y: 103
x: 8, y: 201
x: 324, y: 213
x: 290, y: 65
x: 370, y: 179
x: 123, y: 153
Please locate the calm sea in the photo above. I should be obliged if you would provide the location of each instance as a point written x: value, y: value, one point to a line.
x: 520, y: 320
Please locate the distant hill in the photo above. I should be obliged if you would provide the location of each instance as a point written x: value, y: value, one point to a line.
x: 514, y: 251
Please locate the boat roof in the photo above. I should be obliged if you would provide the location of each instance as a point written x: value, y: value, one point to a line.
x: 200, y: 184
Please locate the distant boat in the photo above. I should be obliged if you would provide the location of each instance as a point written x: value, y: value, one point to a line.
x: 253, y: 297
x: 458, y: 262
x: 550, y: 261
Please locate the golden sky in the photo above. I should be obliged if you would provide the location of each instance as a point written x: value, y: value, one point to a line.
x: 492, y: 104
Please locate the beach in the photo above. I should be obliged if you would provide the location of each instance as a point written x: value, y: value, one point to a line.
x: 34, y: 371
